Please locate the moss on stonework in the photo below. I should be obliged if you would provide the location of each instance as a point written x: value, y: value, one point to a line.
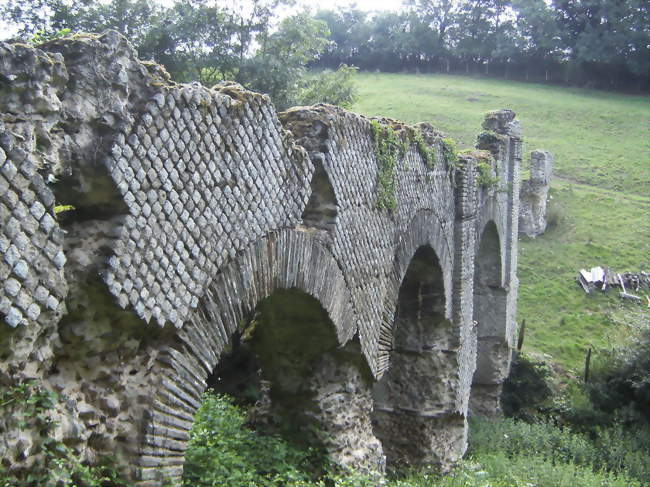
x: 485, y: 177
x: 449, y: 150
x: 487, y: 138
x: 484, y: 166
x: 388, y: 147
x: 427, y: 152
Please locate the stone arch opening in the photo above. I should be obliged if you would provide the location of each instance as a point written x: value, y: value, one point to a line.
x: 415, y: 416
x: 490, y: 317
x: 285, y: 363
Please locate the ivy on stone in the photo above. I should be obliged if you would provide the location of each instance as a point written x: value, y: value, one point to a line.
x: 427, y: 152
x: 388, y: 147
x: 449, y: 150
x: 31, y: 405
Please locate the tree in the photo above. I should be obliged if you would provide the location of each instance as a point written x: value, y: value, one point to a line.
x: 195, y: 41
x: 439, y: 16
x: 607, y: 39
x: 538, y: 41
x: 280, y: 64
x: 350, y: 37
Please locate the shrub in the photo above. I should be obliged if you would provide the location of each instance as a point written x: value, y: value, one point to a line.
x: 620, y: 379
x: 527, y: 388
x: 503, y: 453
x: 334, y: 87
x: 28, y: 406
x: 621, y: 450
x: 223, y: 451
x: 513, y: 437
x: 608, y: 449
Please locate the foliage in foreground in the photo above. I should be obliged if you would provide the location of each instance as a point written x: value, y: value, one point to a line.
x: 620, y: 381
x: 527, y: 389
x: 30, y: 407
x: 503, y: 453
x: 224, y: 451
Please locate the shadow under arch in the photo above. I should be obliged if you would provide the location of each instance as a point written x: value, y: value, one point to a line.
x: 426, y: 228
x: 415, y: 414
x: 285, y: 262
x: 490, y: 317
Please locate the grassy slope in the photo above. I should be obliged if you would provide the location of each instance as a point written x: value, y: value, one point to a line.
x: 601, y: 142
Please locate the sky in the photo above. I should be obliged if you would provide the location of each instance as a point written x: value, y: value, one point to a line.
x: 361, y: 4
x: 368, y: 5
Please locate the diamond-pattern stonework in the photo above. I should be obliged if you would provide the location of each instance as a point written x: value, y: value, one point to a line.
x: 200, y: 185
x: 31, y: 241
x: 191, y: 212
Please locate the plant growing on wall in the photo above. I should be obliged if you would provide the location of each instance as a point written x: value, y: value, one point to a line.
x: 485, y: 177
x: 32, y: 407
x: 388, y: 147
x: 427, y: 152
x: 449, y: 150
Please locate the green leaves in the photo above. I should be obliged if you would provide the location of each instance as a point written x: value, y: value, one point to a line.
x: 32, y: 407
x: 333, y: 87
x: 388, y: 147
x: 223, y: 450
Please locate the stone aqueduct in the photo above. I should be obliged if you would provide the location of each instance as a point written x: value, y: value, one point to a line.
x: 205, y: 222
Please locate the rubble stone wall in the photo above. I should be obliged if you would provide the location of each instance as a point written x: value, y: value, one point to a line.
x: 144, y: 221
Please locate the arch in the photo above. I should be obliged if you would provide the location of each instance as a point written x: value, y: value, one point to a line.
x: 283, y: 260
x: 425, y: 228
x: 490, y: 315
x: 299, y: 382
x: 493, y: 213
x: 415, y: 415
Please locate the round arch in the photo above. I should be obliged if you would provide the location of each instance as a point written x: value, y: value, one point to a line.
x: 490, y: 305
x: 283, y: 260
x: 425, y: 229
x: 415, y: 415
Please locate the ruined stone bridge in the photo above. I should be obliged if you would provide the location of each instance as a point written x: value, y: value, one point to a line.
x: 159, y: 239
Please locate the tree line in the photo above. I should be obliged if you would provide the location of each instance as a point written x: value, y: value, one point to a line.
x: 245, y: 41
x: 594, y: 43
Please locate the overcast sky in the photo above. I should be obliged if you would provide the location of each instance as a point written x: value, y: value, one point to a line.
x: 361, y: 4
x: 6, y: 31
x: 332, y: 4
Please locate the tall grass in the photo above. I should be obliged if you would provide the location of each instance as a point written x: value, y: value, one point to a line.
x: 224, y: 451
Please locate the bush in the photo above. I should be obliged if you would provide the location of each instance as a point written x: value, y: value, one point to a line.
x: 527, y: 388
x: 608, y: 449
x: 620, y: 379
x: 544, y: 440
x: 28, y: 406
x: 223, y: 451
x: 334, y: 87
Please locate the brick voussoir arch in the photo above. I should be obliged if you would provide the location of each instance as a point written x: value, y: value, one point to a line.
x: 491, y: 213
x: 283, y: 259
x: 425, y: 228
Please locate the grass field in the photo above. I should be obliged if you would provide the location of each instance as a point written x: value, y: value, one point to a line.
x: 600, y: 195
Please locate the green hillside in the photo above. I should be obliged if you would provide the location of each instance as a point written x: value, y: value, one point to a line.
x: 600, y: 203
